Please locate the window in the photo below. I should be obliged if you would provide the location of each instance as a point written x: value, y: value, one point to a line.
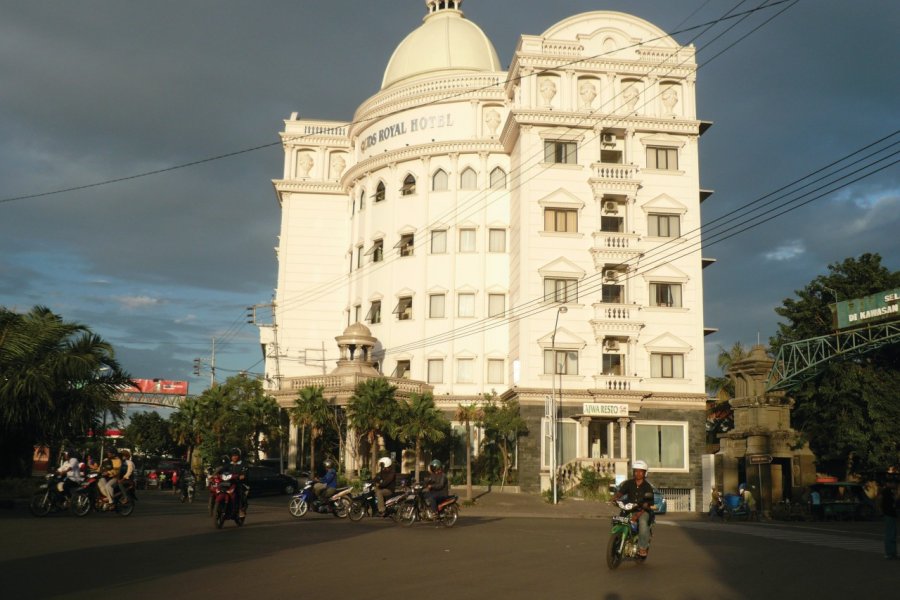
x: 359, y: 256
x: 613, y: 294
x: 439, y: 181
x: 362, y: 201
x: 465, y: 370
x: 374, y: 314
x: 467, y: 240
x: 438, y: 241
x: 495, y: 370
x: 406, y: 244
x: 561, y: 220
x: 401, y: 371
x: 496, y: 305
x: 436, y: 304
x: 468, y: 180
x: 560, y: 290
x: 409, y: 186
x: 666, y: 226
x: 613, y: 364
x: 357, y: 313
x: 566, y: 362
x: 566, y: 442
x: 497, y: 240
x: 665, y: 294
x: 664, y: 159
x: 466, y: 305
x: 669, y: 366
x: 404, y: 308
x: 560, y: 152
x: 662, y: 445
x: 612, y: 224
x: 379, y: 192
x: 436, y: 370
x: 377, y: 251
x: 498, y: 179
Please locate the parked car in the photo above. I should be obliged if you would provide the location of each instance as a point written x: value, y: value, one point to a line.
x: 263, y: 480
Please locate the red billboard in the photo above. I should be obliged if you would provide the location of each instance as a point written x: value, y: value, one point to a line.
x: 159, y: 386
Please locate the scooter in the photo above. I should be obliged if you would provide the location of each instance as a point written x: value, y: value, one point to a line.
x: 366, y: 503
x: 623, y: 539
x: 337, y: 504
x: 48, y: 498
x: 89, y: 497
x: 227, y: 501
x: 187, y: 488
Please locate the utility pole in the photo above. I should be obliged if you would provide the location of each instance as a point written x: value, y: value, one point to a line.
x: 212, y: 365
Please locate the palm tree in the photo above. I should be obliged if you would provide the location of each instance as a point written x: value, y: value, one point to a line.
x: 261, y: 412
x: 57, y: 380
x: 372, y: 411
x: 420, y: 420
x: 311, y: 411
x: 503, y: 424
x: 719, y: 414
x: 186, y: 426
x: 468, y: 414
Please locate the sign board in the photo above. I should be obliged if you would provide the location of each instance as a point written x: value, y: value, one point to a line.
x: 596, y: 409
x: 158, y: 386
x: 860, y: 311
x: 759, y: 459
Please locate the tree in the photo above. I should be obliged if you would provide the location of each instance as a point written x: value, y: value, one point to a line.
x: 850, y: 411
x: 372, y: 411
x: 503, y: 426
x: 468, y: 414
x: 719, y: 413
x: 311, y: 411
x: 260, y: 411
x: 186, y: 426
x: 150, y: 434
x: 57, y: 380
x: 419, y: 419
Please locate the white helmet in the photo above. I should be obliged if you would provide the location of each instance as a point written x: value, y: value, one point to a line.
x: 384, y: 463
x: 639, y: 464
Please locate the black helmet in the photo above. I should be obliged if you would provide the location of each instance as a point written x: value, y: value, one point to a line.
x: 435, y: 465
x: 235, y: 452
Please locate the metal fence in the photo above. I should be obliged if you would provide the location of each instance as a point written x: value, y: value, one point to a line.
x: 679, y: 499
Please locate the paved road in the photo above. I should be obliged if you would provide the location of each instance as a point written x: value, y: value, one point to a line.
x: 170, y: 550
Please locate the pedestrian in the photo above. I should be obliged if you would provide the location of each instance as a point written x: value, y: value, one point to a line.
x: 889, y: 510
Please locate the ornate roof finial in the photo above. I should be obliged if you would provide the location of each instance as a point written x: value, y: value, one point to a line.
x: 441, y: 5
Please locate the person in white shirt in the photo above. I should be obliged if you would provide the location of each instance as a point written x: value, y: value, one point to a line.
x: 71, y: 469
x: 127, y: 472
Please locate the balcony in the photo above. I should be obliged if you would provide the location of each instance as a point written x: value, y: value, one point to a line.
x: 622, y: 320
x: 614, y: 178
x: 615, y: 383
x: 614, y: 247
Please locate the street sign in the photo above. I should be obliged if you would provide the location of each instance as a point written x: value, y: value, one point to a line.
x: 759, y: 459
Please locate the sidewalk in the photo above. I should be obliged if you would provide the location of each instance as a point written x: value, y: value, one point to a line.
x: 505, y: 504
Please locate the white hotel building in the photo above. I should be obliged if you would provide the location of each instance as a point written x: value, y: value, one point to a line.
x: 463, y: 205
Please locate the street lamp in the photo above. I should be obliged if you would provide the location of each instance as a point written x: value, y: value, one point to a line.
x: 553, y: 454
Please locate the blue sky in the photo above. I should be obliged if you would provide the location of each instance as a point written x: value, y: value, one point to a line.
x: 160, y: 265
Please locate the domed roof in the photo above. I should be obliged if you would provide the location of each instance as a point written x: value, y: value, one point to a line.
x: 446, y: 41
x: 357, y: 330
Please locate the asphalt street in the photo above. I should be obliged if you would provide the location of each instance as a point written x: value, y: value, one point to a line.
x: 505, y: 547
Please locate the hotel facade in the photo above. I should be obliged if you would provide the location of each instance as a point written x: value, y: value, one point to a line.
x: 530, y: 232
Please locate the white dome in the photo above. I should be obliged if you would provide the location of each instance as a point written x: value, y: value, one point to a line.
x: 445, y: 42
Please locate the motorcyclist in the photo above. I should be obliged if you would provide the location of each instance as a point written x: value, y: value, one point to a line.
x: 186, y: 480
x: 126, y: 476
x: 640, y: 491
x: 437, y: 486
x: 111, y: 467
x: 326, y: 486
x: 70, y: 470
x: 385, y: 482
x: 236, y: 467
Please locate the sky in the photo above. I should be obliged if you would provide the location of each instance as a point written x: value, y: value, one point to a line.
x: 159, y: 265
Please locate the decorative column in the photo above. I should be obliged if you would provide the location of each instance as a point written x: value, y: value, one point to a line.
x: 583, y: 447
x: 623, y: 438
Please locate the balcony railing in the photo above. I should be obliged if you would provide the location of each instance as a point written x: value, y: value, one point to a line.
x: 615, y: 171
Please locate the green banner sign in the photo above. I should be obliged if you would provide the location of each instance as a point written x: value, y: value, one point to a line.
x: 860, y: 311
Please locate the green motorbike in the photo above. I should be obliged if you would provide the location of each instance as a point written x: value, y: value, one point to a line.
x: 623, y: 540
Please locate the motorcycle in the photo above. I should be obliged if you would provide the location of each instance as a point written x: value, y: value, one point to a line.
x: 89, y: 497
x: 623, y: 540
x: 414, y: 508
x: 48, y: 498
x: 337, y: 504
x: 366, y: 503
x: 188, y: 489
x: 227, y: 501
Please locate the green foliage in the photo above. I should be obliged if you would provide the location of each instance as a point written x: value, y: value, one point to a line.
x: 57, y: 380
x: 419, y: 420
x: 594, y: 484
x: 849, y: 412
x: 503, y: 426
x: 372, y: 411
x: 311, y: 411
x: 150, y: 434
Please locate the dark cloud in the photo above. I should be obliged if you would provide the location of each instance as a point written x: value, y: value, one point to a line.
x: 97, y: 90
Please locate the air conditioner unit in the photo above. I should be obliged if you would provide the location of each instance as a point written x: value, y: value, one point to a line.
x: 609, y: 275
x: 611, y: 207
x: 611, y: 345
x: 608, y: 139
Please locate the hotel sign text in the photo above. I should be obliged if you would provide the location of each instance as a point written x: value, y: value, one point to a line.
x: 404, y: 127
x: 595, y: 409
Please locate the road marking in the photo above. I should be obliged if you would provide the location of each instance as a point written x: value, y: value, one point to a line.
x: 841, y: 541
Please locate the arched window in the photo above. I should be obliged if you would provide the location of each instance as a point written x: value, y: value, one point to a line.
x: 468, y: 180
x: 362, y: 200
x: 379, y: 192
x: 409, y: 186
x: 439, y: 181
x: 498, y: 179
